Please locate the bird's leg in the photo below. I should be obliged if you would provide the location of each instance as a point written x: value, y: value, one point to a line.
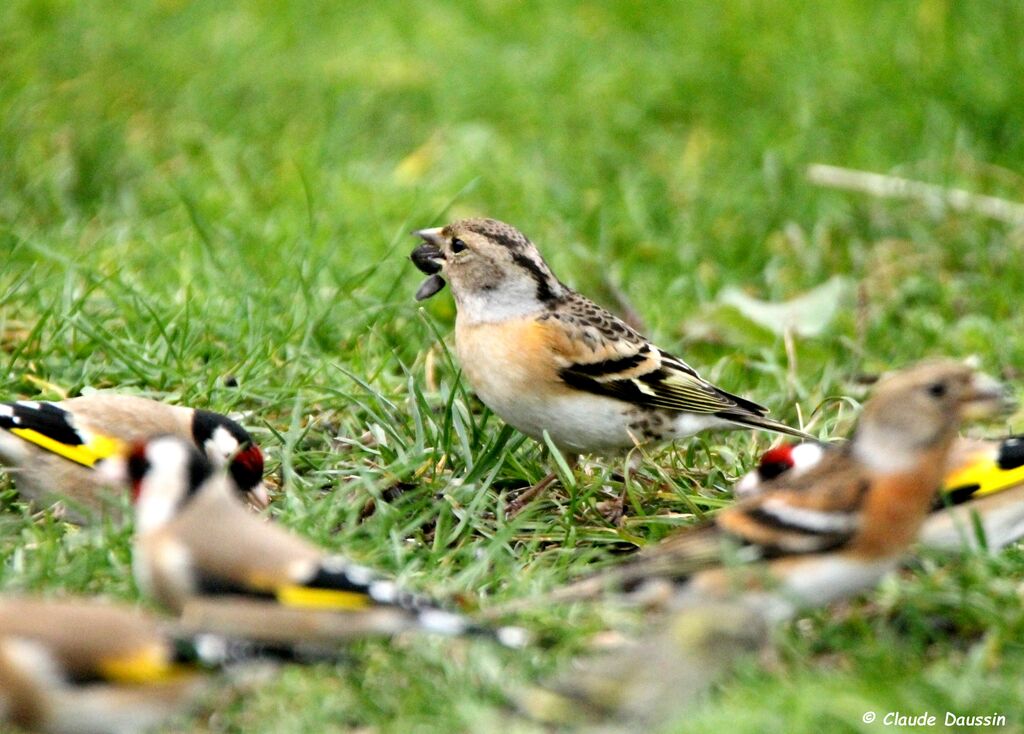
x: 531, y: 493
x: 528, y: 495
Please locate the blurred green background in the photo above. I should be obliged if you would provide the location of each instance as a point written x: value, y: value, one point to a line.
x: 660, y: 146
x: 190, y: 190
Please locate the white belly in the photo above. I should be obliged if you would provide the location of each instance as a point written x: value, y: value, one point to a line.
x: 579, y: 425
x: 822, y: 582
x: 1002, y: 519
x: 833, y: 577
x: 582, y: 423
x: 815, y: 583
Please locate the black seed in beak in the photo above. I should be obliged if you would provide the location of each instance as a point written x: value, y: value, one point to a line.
x: 427, y: 258
x: 429, y: 287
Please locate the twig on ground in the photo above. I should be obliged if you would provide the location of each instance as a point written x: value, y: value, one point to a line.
x: 894, y: 187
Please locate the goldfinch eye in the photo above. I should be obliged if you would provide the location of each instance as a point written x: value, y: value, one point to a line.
x: 458, y: 245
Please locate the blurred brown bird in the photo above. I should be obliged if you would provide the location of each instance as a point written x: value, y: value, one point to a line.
x: 983, y: 483
x: 838, y: 527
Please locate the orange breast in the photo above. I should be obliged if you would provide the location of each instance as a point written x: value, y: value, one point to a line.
x: 503, y: 359
x: 894, y: 510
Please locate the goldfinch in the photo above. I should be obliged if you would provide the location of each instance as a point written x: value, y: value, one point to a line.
x: 82, y: 666
x: 194, y: 540
x: 983, y: 479
x: 835, y: 529
x: 546, y: 359
x: 52, y: 449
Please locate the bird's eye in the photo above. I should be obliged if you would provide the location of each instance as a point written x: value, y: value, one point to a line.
x: 937, y: 389
x: 458, y: 245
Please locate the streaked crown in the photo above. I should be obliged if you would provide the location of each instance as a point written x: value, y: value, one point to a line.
x: 495, y: 271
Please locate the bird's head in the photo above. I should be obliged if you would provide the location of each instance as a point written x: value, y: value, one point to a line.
x: 225, y: 442
x: 785, y: 459
x: 494, y: 270
x: 921, y: 407
x: 163, y: 474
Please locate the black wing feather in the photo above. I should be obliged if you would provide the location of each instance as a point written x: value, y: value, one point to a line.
x: 45, y: 418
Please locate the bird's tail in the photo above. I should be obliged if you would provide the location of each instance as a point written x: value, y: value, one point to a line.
x: 210, y: 651
x: 765, y: 423
x: 338, y: 585
x: 206, y: 651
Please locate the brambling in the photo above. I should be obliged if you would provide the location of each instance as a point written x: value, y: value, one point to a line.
x: 983, y: 479
x: 195, y: 540
x: 85, y: 666
x: 826, y: 533
x: 546, y: 359
x: 52, y: 449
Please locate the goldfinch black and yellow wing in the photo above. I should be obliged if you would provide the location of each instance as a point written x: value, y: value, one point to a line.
x: 982, y: 469
x: 54, y: 430
x: 235, y: 554
x: 337, y: 584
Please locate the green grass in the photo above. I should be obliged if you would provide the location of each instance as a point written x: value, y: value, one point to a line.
x: 191, y: 191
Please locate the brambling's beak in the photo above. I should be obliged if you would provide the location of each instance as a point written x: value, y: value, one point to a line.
x: 987, y: 397
x: 428, y: 258
x: 431, y: 236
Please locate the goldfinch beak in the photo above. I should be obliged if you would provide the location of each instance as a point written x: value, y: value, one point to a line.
x: 988, y: 397
x: 259, y: 497
x: 113, y: 470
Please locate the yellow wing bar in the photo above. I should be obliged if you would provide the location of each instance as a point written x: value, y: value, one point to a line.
x: 87, y: 454
x: 150, y: 664
x: 986, y: 475
x: 301, y: 596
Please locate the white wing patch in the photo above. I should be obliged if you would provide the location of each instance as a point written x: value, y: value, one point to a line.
x: 360, y: 575
x: 645, y: 388
x: 384, y: 592
x: 815, y: 521
x: 442, y: 622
